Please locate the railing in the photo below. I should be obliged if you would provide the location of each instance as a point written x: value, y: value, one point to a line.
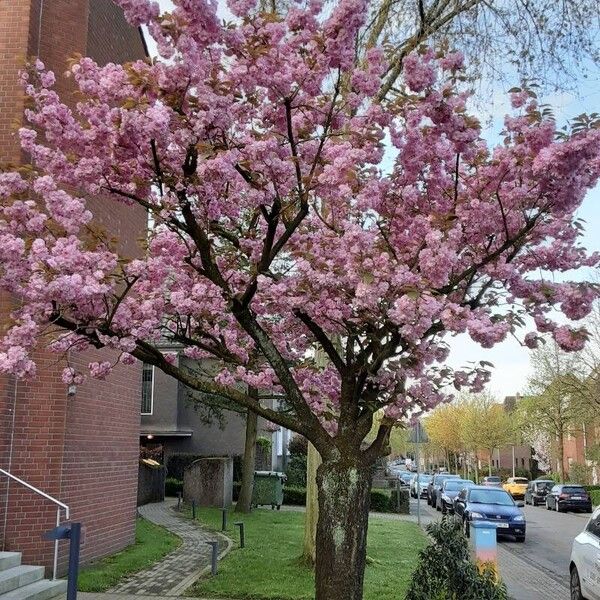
x: 58, y: 503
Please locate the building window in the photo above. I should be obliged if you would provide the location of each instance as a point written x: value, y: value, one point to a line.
x: 522, y: 462
x: 147, y: 389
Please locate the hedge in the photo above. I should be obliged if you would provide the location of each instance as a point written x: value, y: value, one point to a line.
x: 595, y: 495
x: 173, y: 486
x: 381, y: 500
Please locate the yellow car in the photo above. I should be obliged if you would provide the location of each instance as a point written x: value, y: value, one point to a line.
x: 516, y: 486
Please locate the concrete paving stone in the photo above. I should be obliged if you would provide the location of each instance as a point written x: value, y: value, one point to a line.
x: 177, y: 568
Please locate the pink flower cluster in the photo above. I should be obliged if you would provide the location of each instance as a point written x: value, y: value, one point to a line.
x: 285, y: 225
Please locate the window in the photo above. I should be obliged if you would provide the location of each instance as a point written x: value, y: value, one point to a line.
x: 522, y: 462
x: 593, y: 526
x: 147, y: 389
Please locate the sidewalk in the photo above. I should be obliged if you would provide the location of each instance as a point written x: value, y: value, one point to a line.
x: 172, y: 575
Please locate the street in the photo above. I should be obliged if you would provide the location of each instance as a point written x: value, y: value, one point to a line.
x: 539, y: 568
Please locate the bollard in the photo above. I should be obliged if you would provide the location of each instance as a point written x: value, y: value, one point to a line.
x: 214, y: 556
x: 71, y: 532
x: 193, y: 510
x: 398, y: 495
x: 240, y: 524
x: 178, y: 500
x: 224, y: 519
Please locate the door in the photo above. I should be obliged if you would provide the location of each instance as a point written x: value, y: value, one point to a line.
x: 590, y: 554
x: 552, y: 495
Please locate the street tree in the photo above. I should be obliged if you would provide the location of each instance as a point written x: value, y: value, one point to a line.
x: 443, y: 427
x: 554, y: 406
x: 292, y: 213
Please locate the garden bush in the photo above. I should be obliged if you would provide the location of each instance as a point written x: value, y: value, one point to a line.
x: 455, y: 576
x: 595, y: 495
x: 294, y: 495
x: 173, y: 486
x: 402, y: 507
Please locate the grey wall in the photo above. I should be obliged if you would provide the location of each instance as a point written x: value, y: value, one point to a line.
x: 164, y: 410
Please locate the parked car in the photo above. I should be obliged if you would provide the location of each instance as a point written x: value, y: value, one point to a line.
x: 483, y: 503
x: 424, y: 480
x: 516, y: 486
x: 537, y: 491
x: 585, y: 558
x: 405, y: 478
x: 492, y: 481
x: 449, y: 491
x: 568, y: 496
x: 435, y: 484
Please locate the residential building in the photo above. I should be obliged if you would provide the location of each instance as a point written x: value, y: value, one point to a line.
x: 81, y: 448
x: 182, y: 422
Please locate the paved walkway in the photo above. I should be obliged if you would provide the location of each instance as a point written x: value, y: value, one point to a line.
x: 179, y: 569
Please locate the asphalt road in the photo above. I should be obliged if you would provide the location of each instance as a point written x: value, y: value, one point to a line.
x: 547, y: 547
x: 549, y: 538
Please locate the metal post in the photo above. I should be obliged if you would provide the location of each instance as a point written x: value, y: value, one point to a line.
x: 55, y: 563
x: 240, y: 524
x: 513, y: 461
x: 74, y: 543
x: 214, y: 556
x: 224, y: 519
x: 398, y: 495
x: 193, y: 510
x: 178, y: 500
x: 418, y: 473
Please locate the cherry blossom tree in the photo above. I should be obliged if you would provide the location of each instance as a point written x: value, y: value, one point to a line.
x: 292, y: 214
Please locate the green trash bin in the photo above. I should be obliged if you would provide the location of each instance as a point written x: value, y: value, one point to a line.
x: 268, y: 488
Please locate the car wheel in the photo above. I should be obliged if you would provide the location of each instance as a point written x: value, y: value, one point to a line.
x: 575, y: 585
x: 547, y: 505
x: 444, y: 510
x: 437, y: 507
x: 520, y: 539
x: 556, y: 506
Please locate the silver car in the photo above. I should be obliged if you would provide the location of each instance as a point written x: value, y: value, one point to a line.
x: 585, y: 561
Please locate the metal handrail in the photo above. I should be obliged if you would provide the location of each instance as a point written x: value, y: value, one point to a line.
x: 48, y: 497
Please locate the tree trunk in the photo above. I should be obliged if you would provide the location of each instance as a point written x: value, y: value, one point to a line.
x: 344, y: 496
x: 490, y: 462
x: 244, y: 503
x: 313, y: 461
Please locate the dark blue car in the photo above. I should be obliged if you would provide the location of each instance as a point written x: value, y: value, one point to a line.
x: 479, y: 503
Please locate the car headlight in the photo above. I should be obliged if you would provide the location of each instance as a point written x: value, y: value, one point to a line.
x: 519, y: 518
x: 476, y: 515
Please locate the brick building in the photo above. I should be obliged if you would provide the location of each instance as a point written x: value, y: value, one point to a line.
x: 81, y: 449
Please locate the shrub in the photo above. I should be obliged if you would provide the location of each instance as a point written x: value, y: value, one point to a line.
x: 173, y: 486
x: 402, y: 506
x: 296, y: 470
x: 595, y: 495
x: 580, y: 473
x: 381, y: 500
x: 293, y: 495
x: 454, y: 575
x: 298, y: 446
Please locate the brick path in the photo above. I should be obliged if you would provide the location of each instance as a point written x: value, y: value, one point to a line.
x: 179, y: 569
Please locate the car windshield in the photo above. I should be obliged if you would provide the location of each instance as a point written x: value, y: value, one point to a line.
x: 491, y: 497
x: 544, y: 485
x: 454, y: 486
x: 573, y: 489
x: 425, y: 478
x: 492, y: 479
x: 520, y: 480
x: 406, y: 476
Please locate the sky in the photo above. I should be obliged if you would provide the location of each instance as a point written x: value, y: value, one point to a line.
x: 510, y: 359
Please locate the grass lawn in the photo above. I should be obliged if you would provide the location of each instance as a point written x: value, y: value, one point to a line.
x: 152, y: 542
x: 269, y: 568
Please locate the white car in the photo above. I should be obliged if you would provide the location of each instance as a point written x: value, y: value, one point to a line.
x: 585, y: 561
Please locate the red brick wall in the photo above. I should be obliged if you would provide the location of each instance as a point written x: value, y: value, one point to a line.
x: 84, y: 449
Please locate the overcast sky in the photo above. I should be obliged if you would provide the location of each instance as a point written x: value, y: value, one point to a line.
x: 510, y: 360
